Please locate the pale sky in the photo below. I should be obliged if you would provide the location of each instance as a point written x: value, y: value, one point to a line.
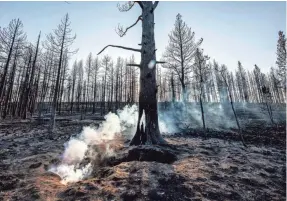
x: 231, y: 31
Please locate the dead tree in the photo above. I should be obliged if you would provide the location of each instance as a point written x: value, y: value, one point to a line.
x: 172, y: 87
x: 224, y: 74
x: 80, y: 75
x: 106, y: 64
x: 281, y: 59
x: 31, y: 79
x: 180, y: 52
x: 148, y: 132
x: 22, y: 103
x: 201, y: 72
x: 95, y: 70
x: 88, y: 72
x: 118, y: 79
x: 268, y: 101
x: 10, y: 83
x: 8, y: 38
x: 74, y: 79
x: 57, y: 42
x: 242, y: 83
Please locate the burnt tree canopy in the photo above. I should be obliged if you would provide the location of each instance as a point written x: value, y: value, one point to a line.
x: 147, y: 125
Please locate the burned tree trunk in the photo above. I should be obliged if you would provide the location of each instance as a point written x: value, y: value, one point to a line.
x: 147, y: 95
x: 147, y: 126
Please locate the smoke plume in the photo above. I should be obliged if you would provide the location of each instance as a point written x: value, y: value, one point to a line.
x: 78, y: 148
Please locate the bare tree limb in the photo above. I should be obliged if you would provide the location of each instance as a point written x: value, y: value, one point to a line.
x: 155, y: 5
x: 121, y: 32
x: 117, y: 46
x: 160, y: 62
x: 137, y: 65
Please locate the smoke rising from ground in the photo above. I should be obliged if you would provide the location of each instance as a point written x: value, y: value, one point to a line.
x: 78, y: 148
x: 171, y: 119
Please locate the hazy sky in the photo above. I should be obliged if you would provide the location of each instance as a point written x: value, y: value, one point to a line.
x: 232, y: 31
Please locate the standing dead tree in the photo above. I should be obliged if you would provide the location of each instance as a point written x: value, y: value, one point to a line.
x: 281, y: 59
x: 89, y: 63
x: 57, y: 42
x: 224, y: 74
x: 180, y: 52
x: 201, y: 71
x: 95, y: 71
x: 10, y: 38
x: 147, y: 126
x: 268, y: 101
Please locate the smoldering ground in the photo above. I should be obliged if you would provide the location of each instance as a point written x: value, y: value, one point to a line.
x: 213, y: 169
x: 117, y: 128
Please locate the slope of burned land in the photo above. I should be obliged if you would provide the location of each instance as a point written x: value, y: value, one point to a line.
x: 216, y: 168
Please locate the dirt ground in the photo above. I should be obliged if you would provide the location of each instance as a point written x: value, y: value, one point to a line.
x: 216, y: 168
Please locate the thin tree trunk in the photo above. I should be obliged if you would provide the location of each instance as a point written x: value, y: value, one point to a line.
x: 54, y: 104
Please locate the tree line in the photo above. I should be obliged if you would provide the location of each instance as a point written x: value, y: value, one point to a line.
x: 37, y: 77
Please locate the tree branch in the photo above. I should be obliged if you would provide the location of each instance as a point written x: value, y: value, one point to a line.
x: 137, y: 65
x: 117, y: 46
x: 160, y: 62
x: 155, y: 5
x: 121, y: 32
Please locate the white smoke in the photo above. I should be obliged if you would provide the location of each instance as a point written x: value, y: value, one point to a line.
x: 77, y: 148
x: 69, y: 173
x: 72, y: 155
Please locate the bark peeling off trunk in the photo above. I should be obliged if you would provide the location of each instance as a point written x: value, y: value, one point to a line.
x: 148, y: 133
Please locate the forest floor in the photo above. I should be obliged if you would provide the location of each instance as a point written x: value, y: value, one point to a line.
x: 216, y: 168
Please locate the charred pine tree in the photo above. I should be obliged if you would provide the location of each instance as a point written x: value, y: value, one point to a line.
x: 23, y: 97
x: 117, y: 84
x: 268, y: 101
x: 28, y: 89
x: 111, y: 91
x: 281, y: 59
x: 200, y: 73
x: 96, y: 67
x: 180, y: 52
x: 62, y: 81
x: 242, y: 83
x: 106, y: 67
x: 80, y: 75
x: 9, y: 37
x: 172, y: 87
x: 10, y: 83
x: 57, y: 42
x: 149, y: 134
x: 44, y: 86
x: 89, y: 63
x: 74, y: 79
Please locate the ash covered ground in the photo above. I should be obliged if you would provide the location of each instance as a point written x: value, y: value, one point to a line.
x: 216, y: 168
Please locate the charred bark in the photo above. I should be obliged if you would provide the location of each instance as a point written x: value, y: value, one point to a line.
x: 148, y: 133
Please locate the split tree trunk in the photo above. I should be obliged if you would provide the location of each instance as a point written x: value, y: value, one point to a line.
x: 148, y: 133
